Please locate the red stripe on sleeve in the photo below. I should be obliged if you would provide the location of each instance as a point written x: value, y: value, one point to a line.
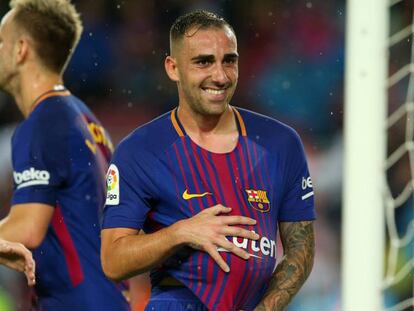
x: 69, y: 250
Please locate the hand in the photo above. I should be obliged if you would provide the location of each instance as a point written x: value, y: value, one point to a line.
x: 18, y: 257
x: 208, y: 229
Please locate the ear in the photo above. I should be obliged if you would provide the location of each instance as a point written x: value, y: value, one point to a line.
x: 22, y: 50
x: 170, y: 65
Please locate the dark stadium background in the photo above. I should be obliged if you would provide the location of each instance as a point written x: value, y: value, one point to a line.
x: 291, y: 68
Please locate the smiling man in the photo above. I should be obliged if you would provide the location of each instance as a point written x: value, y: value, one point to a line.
x: 209, y: 184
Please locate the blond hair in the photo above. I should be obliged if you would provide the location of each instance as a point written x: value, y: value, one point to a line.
x: 54, y: 26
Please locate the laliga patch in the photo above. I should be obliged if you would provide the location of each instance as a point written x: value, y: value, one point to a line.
x: 112, y: 186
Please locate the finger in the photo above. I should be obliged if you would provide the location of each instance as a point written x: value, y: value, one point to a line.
x: 233, y: 249
x: 212, y: 251
x: 30, y: 271
x: 218, y: 209
x: 238, y: 220
x: 29, y: 264
x: 239, y: 232
x: 21, y: 251
x: 30, y: 276
x: 4, y: 247
x: 29, y: 258
x: 31, y: 280
x: 33, y: 276
x: 14, y: 248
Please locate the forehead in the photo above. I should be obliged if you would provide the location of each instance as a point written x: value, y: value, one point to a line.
x: 210, y: 41
x: 6, y: 22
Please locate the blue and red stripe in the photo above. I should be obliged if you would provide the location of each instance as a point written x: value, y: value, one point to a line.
x: 226, y: 176
x: 68, y: 246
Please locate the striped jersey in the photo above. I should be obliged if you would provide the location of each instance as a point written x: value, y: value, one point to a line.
x: 60, y: 155
x: 159, y: 176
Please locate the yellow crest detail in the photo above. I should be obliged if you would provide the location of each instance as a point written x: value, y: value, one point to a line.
x: 258, y: 199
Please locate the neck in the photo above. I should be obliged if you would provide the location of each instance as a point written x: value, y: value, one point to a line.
x: 215, y: 133
x: 32, y: 84
x: 201, y: 124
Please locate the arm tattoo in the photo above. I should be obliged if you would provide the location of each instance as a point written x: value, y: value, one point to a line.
x: 299, y: 249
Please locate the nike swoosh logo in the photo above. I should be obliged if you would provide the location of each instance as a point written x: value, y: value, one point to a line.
x: 188, y: 196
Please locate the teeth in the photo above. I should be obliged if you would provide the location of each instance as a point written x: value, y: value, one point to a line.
x: 215, y: 92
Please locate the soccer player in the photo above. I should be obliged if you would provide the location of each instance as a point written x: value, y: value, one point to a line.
x: 18, y: 257
x: 60, y: 154
x: 209, y: 184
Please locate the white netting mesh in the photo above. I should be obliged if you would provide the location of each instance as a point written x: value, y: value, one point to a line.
x: 399, y: 197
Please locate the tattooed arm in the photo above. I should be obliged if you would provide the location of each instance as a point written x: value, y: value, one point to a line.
x: 299, y: 249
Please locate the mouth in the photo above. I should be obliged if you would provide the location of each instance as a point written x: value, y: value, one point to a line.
x: 214, y: 91
x: 215, y: 94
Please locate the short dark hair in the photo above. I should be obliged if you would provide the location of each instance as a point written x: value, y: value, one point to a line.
x: 200, y: 19
x: 55, y: 27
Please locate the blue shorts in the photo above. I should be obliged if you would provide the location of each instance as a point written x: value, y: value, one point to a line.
x: 174, y: 299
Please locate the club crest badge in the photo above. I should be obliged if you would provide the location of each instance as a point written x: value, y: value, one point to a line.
x: 258, y: 200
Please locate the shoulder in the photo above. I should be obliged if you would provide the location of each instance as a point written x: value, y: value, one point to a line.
x: 53, y: 111
x: 268, y: 131
x: 151, y: 138
x: 50, y: 123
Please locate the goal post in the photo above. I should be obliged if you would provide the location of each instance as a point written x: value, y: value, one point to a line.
x: 364, y: 156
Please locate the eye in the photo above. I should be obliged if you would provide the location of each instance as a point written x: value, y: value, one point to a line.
x: 203, y: 62
x: 230, y: 61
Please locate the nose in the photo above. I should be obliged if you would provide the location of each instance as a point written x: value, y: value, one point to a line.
x: 219, y: 75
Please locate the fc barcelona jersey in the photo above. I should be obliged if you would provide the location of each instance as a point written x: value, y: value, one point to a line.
x: 159, y: 176
x: 60, y: 154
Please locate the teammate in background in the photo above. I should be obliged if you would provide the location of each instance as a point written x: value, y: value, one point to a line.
x: 60, y: 154
x: 210, y: 184
x: 18, y: 257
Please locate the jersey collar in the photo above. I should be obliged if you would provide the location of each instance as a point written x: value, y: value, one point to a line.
x: 179, y: 128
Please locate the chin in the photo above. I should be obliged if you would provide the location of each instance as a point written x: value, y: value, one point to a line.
x: 215, y: 109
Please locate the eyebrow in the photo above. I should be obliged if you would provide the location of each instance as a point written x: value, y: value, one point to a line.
x: 231, y: 56
x: 206, y: 57
x: 210, y: 57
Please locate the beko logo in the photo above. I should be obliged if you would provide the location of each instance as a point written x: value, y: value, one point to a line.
x: 306, y: 183
x: 307, y: 186
x: 31, y: 177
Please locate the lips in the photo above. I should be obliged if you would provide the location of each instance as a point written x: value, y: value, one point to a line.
x: 214, y: 91
x: 215, y: 94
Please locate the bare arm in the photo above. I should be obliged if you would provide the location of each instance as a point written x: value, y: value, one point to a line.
x: 27, y: 224
x: 18, y: 257
x: 125, y: 252
x: 24, y: 226
x: 299, y: 249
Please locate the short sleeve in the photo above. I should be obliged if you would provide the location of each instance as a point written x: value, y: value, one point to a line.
x: 298, y: 197
x: 39, y: 158
x: 128, y: 199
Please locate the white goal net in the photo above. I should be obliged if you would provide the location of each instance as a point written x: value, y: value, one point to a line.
x: 398, y: 283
